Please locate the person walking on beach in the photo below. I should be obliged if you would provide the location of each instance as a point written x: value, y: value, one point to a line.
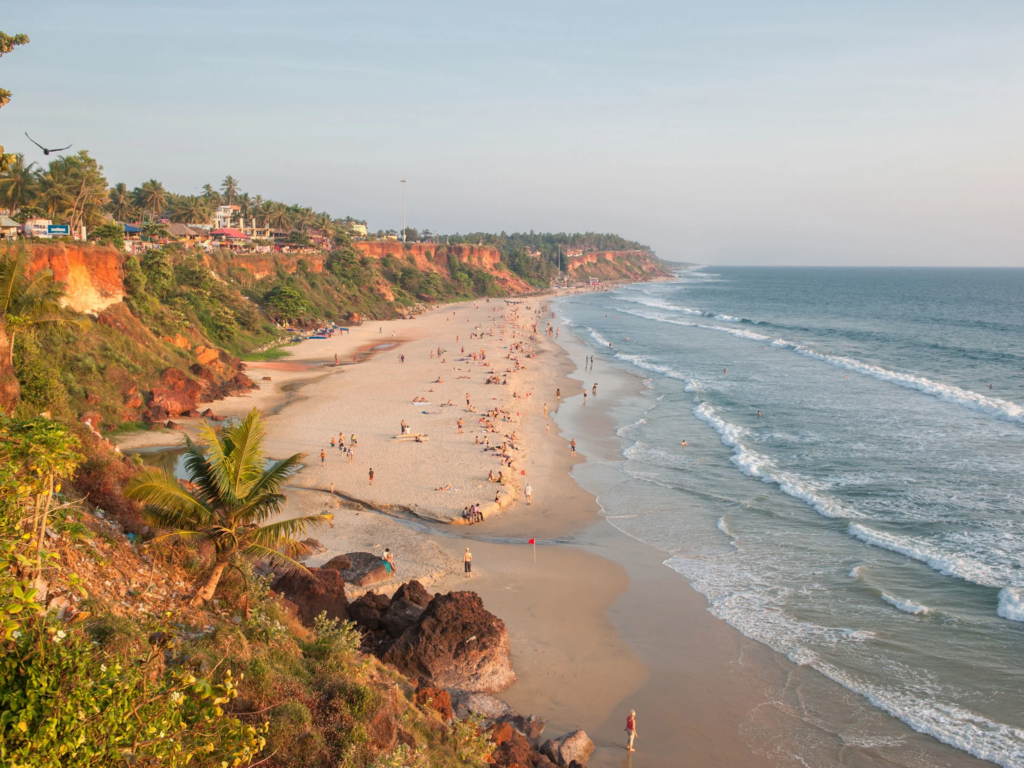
x: 467, y: 562
x: 572, y: 447
x: 630, y: 729
x: 460, y: 426
x: 529, y: 494
x: 371, y: 475
x: 558, y: 395
x: 323, y: 458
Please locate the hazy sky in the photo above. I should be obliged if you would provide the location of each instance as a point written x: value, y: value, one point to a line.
x: 733, y: 131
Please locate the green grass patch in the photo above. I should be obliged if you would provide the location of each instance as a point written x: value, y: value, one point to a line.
x: 270, y: 354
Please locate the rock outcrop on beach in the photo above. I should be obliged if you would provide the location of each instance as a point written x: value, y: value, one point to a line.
x: 320, y: 590
x: 364, y: 569
x: 575, y: 747
x: 456, y: 643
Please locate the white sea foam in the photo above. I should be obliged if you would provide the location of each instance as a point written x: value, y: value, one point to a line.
x: 905, y: 605
x: 727, y: 319
x: 995, y: 407
x: 1011, y: 604
x: 599, y: 338
x: 755, y: 607
x: 647, y: 365
x: 754, y: 464
x: 656, y: 303
x: 856, y: 572
x: 960, y: 565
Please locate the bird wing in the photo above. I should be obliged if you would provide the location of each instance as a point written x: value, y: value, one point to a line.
x: 62, y: 148
x: 35, y: 142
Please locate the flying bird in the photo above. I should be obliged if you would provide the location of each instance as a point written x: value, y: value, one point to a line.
x: 45, y: 150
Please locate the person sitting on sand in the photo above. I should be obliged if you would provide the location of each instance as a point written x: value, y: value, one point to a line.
x: 490, y: 477
x: 389, y: 561
x: 439, y: 380
x: 445, y: 487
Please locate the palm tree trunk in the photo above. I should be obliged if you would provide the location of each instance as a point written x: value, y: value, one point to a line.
x: 10, y: 390
x: 205, y: 594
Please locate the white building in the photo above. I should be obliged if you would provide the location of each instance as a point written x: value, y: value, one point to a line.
x: 37, y: 228
x: 224, y: 215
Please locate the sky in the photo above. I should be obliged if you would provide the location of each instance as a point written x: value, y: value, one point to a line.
x: 762, y: 132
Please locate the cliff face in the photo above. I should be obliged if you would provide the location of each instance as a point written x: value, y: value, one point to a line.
x: 616, y: 266
x: 91, y: 274
x: 433, y: 257
x: 261, y: 265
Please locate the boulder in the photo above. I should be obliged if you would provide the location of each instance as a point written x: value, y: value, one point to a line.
x: 171, y: 402
x: 173, y: 425
x: 512, y: 750
x: 414, y: 592
x: 338, y: 563
x: 531, y: 727
x: 178, y: 340
x: 456, y: 643
x: 319, y: 590
x: 367, y: 610
x: 203, y: 372
x: 436, y: 699
x: 366, y: 569
x: 573, y: 747
x: 483, y: 705
x: 133, y: 400
x: 399, y: 616
x: 207, y: 355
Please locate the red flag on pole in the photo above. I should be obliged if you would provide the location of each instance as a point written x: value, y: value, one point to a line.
x: 532, y: 541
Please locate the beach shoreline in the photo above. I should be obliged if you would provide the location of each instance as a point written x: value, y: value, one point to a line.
x: 566, y: 613
x: 598, y: 624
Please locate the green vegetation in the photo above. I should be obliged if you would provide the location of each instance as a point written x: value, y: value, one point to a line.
x: 538, y: 256
x: 91, y: 678
x: 234, y: 497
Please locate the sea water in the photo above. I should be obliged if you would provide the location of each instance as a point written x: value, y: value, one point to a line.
x: 852, y: 489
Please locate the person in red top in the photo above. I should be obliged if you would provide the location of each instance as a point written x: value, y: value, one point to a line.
x: 631, y: 730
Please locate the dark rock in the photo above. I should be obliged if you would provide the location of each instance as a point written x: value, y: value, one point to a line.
x: 531, y: 727
x: 541, y: 761
x: 400, y: 615
x: 572, y: 747
x: 436, y: 699
x: 203, y: 372
x: 193, y: 414
x: 414, y: 592
x: 313, y: 593
x: 367, y: 610
x: 366, y: 569
x: 456, y: 643
x: 512, y: 750
x: 267, y: 378
x: 173, y: 425
x: 338, y: 563
x: 483, y: 705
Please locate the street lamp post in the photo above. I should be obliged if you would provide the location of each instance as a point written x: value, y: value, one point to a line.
x: 403, y: 210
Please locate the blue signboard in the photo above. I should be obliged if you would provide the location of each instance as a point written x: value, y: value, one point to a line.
x: 58, y: 230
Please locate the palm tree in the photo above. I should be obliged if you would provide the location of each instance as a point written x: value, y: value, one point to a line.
x: 244, y: 207
x: 121, y: 205
x: 211, y: 194
x: 18, y: 184
x: 191, y: 209
x: 230, y: 188
x: 278, y: 215
x: 155, y: 229
x: 152, y: 197
x: 52, y: 182
x: 233, y: 495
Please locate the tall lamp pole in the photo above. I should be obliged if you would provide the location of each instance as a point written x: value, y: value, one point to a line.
x: 403, y: 210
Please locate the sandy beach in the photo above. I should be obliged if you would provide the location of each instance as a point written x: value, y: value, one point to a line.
x: 598, y: 625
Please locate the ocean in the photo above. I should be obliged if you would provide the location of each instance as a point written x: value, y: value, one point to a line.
x: 851, y: 491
